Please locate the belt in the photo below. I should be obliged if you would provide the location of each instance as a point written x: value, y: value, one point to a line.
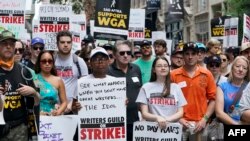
x: 15, y: 123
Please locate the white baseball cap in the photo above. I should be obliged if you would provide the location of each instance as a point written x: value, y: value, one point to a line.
x: 245, y: 46
x: 98, y: 50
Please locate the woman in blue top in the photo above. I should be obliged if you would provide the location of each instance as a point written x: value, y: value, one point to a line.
x: 226, y: 92
x: 52, y: 90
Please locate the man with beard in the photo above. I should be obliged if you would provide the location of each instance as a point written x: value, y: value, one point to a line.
x: 67, y: 68
x: 145, y: 61
x: 176, y: 59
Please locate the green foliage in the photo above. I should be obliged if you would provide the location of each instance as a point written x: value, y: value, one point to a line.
x: 237, y: 8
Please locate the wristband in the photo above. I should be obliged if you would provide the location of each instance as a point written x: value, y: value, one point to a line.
x: 205, y: 117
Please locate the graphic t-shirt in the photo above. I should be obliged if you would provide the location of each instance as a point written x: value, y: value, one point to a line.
x: 67, y: 70
x: 14, y: 106
x: 150, y: 94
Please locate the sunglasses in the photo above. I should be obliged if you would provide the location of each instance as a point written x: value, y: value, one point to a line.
x: 214, y: 65
x: 20, y: 50
x: 122, y: 53
x: 45, y: 61
x: 145, y: 47
x: 36, y: 48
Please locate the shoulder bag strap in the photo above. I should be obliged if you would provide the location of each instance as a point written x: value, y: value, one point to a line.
x: 237, y: 97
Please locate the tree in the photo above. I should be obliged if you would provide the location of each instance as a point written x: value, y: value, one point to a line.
x: 237, y: 8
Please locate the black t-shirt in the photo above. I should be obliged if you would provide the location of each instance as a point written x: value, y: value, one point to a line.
x: 14, y: 107
x: 133, y: 84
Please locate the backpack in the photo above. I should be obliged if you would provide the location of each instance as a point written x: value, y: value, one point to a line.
x: 76, y: 62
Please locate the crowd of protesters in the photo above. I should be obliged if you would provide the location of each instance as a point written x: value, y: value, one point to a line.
x: 200, y: 80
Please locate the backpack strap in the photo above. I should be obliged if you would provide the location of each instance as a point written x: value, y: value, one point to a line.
x: 75, y: 60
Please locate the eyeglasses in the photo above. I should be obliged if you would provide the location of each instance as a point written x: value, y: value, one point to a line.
x: 161, y: 66
x: 122, y: 53
x: 214, y: 65
x: 96, y: 60
x: 20, y: 50
x: 145, y: 47
x: 45, y: 61
x: 36, y: 48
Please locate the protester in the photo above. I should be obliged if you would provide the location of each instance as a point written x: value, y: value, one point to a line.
x: 177, y: 58
x: 21, y: 94
x: 153, y: 94
x: 199, y: 89
x: 68, y: 68
x: 213, y: 65
x: 244, y: 105
x: 214, y: 47
x: 160, y: 48
x: 37, y: 45
x: 137, y: 53
x: 225, y: 68
x: 227, y: 91
x: 202, y: 49
x: 123, y: 68
x: 52, y: 90
x: 85, y: 55
x: 145, y: 61
x: 245, y: 50
x: 19, y: 50
x: 109, y: 49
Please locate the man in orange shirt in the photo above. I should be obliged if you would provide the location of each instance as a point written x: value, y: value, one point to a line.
x: 199, y: 89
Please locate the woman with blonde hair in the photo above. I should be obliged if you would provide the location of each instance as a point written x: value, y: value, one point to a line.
x: 227, y: 111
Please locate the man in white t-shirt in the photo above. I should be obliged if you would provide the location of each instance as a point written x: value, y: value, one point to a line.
x: 67, y: 68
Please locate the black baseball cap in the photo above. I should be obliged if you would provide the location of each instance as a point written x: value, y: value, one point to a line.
x: 214, y: 59
x: 190, y: 46
x: 145, y: 42
x: 88, y: 39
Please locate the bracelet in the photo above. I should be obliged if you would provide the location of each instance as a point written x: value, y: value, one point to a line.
x: 206, y: 117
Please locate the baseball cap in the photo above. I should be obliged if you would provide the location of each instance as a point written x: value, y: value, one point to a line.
x: 88, y: 38
x: 214, y: 59
x: 145, y: 42
x: 201, y: 46
x: 245, y: 46
x: 6, y: 34
x: 177, y: 50
x: 37, y: 40
x: 98, y: 50
x: 108, y: 46
x: 190, y: 46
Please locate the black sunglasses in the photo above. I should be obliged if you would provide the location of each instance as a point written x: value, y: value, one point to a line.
x: 214, y: 65
x: 20, y: 50
x: 49, y: 61
x: 36, y: 48
x: 122, y: 53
